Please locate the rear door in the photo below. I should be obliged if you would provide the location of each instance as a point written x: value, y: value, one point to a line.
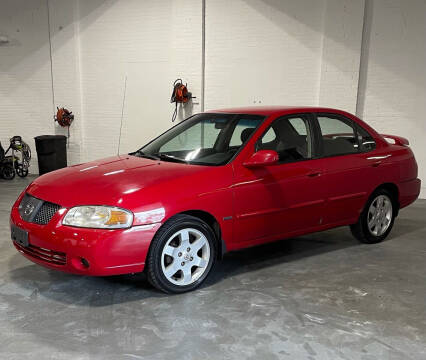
x: 349, y: 173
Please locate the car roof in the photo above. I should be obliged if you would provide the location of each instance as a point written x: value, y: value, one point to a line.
x: 284, y: 110
x: 275, y: 110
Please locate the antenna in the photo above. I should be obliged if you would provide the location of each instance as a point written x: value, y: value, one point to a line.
x: 122, y: 113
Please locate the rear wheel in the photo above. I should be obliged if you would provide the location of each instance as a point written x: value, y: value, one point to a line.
x: 376, y: 221
x: 182, y: 254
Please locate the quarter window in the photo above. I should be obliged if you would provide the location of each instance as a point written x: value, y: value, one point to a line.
x: 290, y: 137
x: 366, y: 141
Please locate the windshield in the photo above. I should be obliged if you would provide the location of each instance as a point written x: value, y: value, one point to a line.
x: 204, y: 139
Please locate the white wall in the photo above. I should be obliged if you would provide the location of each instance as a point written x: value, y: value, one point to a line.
x: 25, y: 82
x: 157, y: 42
x: 362, y: 56
x: 64, y: 36
x: 95, y: 45
x: 340, y: 62
x: 262, y: 52
x: 393, y: 88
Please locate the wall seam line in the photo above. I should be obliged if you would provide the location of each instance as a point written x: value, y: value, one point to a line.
x: 51, y: 57
x: 363, y: 61
x: 203, y: 52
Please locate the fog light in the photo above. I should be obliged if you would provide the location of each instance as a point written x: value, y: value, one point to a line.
x: 80, y: 263
x: 85, y: 263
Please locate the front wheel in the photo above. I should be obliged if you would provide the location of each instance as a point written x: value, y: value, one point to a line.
x: 377, y: 218
x: 181, y: 255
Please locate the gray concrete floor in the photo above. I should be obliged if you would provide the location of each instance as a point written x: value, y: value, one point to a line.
x: 322, y: 296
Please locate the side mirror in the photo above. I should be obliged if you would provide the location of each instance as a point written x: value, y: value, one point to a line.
x: 262, y: 158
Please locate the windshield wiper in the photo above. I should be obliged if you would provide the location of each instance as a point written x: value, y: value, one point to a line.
x: 158, y: 156
x: 140, y: 153
x: 166, y: 157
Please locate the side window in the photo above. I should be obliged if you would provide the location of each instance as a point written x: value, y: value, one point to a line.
x: 290, y: 137
x: 365, y: 140
x: 298, y: 125
x: 270, y: 136
x: 338, y: 137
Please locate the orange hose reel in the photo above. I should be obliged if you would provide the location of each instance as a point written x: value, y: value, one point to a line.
x: 64, y: 117
x: 180, y: 95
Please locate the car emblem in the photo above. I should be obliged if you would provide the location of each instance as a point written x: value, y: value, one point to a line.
x: 29, y: 209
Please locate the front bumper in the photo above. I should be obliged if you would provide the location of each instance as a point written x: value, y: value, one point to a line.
x: 71, y: 249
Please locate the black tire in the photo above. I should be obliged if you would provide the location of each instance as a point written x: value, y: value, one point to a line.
x: 361, y: 230
x: 7, y: 172
x: 154, y: 268
x: 21, y: 171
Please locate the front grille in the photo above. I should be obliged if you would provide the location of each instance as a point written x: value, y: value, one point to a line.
x: 46, y: 212
x: 37, y: 211
x: 50, y: 256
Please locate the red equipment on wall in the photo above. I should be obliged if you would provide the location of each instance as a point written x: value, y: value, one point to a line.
x: 180, y: 95
x: 64, y: 117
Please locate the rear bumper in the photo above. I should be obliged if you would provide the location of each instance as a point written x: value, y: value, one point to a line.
x: 409, y: 191
x: 107, y: 252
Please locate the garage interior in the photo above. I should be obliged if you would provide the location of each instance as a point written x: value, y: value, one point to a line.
x: 113, y: 63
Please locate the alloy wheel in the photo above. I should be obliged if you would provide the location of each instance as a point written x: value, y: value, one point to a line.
x: 185, y: 256
x: 379, y: 215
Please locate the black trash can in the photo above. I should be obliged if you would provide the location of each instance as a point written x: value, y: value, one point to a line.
x: 51, y: 152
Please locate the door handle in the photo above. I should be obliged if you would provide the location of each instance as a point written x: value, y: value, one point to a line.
x: 377, y: 160
x: 314, y: 173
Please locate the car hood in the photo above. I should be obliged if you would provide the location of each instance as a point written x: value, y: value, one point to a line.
x: 112, y: 181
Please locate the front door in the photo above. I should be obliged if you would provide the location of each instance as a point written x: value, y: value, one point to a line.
x: 283, y: 199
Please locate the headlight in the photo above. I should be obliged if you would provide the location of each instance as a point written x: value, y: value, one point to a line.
x: 101, y: 217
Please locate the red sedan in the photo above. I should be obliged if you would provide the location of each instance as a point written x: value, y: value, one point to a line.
x: 216, y: 182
